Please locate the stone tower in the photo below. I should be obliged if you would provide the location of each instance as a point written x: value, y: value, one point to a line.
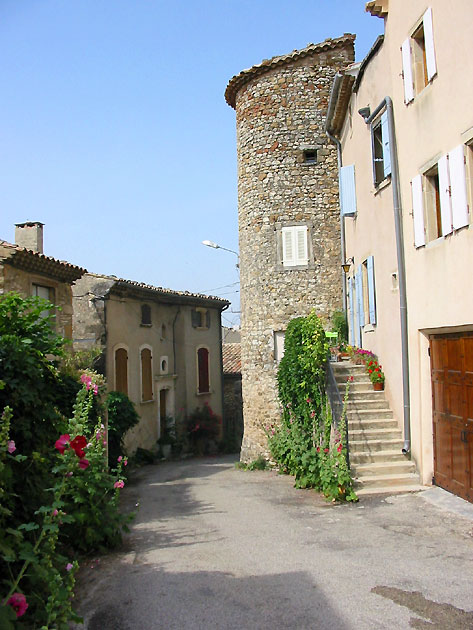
x: 289, y: 227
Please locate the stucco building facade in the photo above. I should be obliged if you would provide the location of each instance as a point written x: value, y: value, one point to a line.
x: 162, y: 348
x: 405, y: 123
x: 288, y: 213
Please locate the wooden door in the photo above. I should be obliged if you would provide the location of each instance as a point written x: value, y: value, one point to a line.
x: 452, y: 401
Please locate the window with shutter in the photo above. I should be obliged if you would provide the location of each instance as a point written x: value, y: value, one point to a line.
x: 418, y: 58
x: 418, y: 211
x: 456, y: 161
x: 121, y: 371
x: 295, y: 246
x: 146, y: 375
x: 145, y: 315
x: 381, y: 149
x: 347, y: 191
x: 203, y: 371
x: 371, y: 289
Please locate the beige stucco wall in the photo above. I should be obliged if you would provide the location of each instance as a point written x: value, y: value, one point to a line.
x: 439, y: 295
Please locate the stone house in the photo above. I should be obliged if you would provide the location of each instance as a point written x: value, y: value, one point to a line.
x: 162, y: 348
x: 26, y: 270
x: 404, y: 125
x: 232, y: 399
x: 288, y: 208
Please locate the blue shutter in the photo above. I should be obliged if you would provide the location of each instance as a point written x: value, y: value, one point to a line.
x: 352, y: 312
x: 347, y: 191
x: 386, y: 145
x: 371, y: 293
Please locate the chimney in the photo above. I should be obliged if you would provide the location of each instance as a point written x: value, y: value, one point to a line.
x: 30, y: 235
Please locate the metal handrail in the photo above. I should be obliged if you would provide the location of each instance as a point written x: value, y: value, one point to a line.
x: 336, y: 403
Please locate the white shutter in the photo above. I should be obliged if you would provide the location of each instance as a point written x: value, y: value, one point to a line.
x: 429, y: 44
x: 444, y: 192
x: 418, y: 211
x: 371, y: 290
x: 301, y: 245
x: 456, y: 161
x: 347, y: 191
x: 386, y: 146
x: 407, y: 71
x: 288, y: 247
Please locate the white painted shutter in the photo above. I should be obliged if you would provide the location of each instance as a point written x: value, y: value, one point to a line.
x: 288, y: 247
x: 407, y: 71
x: 429, y: 44
x: 418, y: 211
x: 347, y: 191
x: 352, y: 312
x: 371, y: 292
x: 301, y: 245
x: 444, y: 192
x: 456, y: 161
x: 359, y: 306
x: 386, y: 145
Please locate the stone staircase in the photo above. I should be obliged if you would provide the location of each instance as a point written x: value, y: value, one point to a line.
x: 375, y: 440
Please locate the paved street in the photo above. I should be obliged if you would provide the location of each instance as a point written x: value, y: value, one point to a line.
x: 213, y: 547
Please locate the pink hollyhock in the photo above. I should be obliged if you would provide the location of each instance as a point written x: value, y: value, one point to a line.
x: 62, y: 443
x: 125, y: 462
x: 55, y: 512
x: 69, y: 566
x: 83, y: 463
x: 96, y: 390
x: 312, y: 414
x: 118, y: 484
x: 339, y: 448
x: 119, y: 458
x: 78, y: 444
x: 18, y: 602
x: 11, y: 446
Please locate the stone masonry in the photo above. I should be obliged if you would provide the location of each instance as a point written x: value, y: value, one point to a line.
x: 287, y: 176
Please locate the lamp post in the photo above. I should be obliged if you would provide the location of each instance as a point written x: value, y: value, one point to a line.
x: 215, y: 246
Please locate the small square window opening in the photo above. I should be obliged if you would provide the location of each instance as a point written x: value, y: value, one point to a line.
x: 310, y: 156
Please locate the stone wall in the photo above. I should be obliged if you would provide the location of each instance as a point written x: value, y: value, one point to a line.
x: 280, y: 114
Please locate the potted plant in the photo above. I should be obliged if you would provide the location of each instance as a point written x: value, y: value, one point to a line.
x: 376, y: 374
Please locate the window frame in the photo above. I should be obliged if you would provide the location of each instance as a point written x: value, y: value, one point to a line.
x: 148, y: 387
x: 146, y: 315
x: 206, y: 381
x: 419, y: 66
x: 116, y: 349
x: 295, y: 260
x: 380, y: 150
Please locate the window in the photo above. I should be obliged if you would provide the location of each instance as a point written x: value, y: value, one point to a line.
x: 365, y: 293
x: 200, y: 318
x: 279, y: 345
x: 203, y: 371
x: 146, y: 374
x: 418, y: 58
x: 310, y: 156
x: 381, y: 150
x: 347, y: 191
x: 145, y: 315
x: 439, y: 198
x: 121, y: 370
x: 163, y: 365
x: 294, y: 246
x: 47, y: 293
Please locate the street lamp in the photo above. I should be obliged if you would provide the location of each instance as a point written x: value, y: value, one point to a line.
x: 215, y: 246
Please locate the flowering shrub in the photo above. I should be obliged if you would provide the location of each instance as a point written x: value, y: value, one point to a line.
x: 371, y: 363
x: 302, y: 443
x: 203, y: 427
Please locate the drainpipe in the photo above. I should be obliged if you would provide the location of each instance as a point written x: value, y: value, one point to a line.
x: 388, y: 104
x: 333, y: 99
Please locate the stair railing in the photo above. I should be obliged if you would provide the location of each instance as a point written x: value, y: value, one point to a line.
x: 336, y: 404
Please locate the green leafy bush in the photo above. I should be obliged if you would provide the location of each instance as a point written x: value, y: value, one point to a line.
x: 122, y: 416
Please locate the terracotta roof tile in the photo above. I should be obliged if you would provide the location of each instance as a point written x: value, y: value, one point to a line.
x: 231, y: 353
x: 239, y: 80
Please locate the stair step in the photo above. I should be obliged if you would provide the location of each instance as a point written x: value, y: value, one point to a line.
x: 367, y: 403
x: 380, y: 481
x: 374, y: 434
x: 369, y: 414
x: 357, y: 424
x: 363, y: 492
x: 363, y: 447
x: 376, y: 456
x: 383, y: 468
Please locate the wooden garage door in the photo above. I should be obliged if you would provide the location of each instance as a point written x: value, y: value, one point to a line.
x: 451, y: 359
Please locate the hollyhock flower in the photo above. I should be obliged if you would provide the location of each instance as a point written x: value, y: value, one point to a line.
x: 69, y: 566
x: 83, y: 463
x: 62, y: 443
x: 118, y: 484
x: 312, y: 414
x: 55, y: 512
x: 119, y: 458
x: 125, y: 462
x: 309, y: 400
x: 78, y: 444
x: 339, y: 448
x: 325, y: 450
x: 96, y: 390
x: 69, y: 474
x: 18, y: 602
x: 11, y: 446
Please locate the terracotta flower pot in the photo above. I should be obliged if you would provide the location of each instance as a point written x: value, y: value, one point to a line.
x: 378, y: 387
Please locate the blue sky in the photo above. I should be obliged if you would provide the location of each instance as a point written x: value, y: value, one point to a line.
x: 115, y: 133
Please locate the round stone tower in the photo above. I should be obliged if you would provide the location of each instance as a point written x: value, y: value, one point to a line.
x: 289, y: 226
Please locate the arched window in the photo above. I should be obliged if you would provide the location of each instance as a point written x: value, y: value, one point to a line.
x: 146, y: 374
x: 121, y: 370
x: 203, y: 370
x: 145, y: 315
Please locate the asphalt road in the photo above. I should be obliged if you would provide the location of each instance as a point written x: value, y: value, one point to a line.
x: 213, y: 547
